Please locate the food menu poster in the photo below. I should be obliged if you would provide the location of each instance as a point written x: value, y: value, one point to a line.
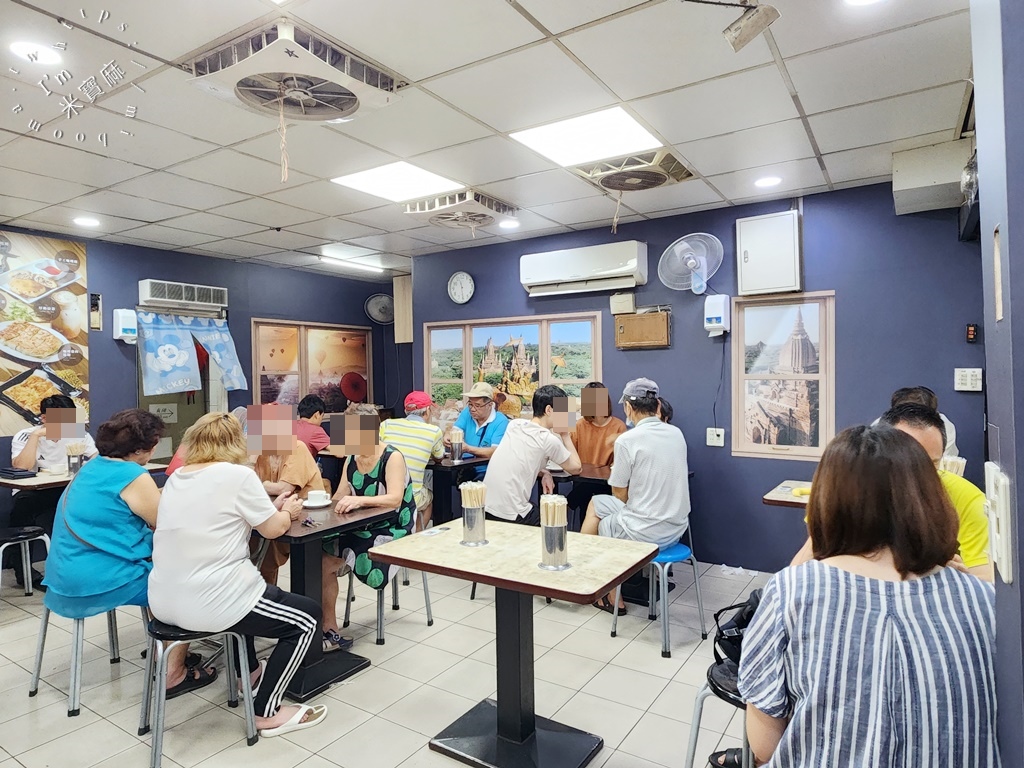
x: 44, y: 327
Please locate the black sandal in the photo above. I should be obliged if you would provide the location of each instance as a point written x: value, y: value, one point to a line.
x: 191, y: 660
x: 727, y: 758
x: 606, y: 605
x: 195, y: 678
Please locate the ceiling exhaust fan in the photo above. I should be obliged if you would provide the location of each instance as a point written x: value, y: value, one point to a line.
x: 756, y: 19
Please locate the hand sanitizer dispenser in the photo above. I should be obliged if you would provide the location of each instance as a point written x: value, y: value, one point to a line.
x: 717, y: 317
x: 126, y: 326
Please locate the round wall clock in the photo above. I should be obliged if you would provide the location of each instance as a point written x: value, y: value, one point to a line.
x: 461, y: 287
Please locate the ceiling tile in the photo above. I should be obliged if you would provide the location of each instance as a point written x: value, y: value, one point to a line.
x: 334, y: 230
x: 704, y: 110
x: 389, y: 241
x: 602, y: 223
x: 930, y: 54
x: 30, y: 186
x: 13, y: 207
x: 211, y: 224
x: 326, y: 197
x: 338, y: 269
x: 585, y: 210
x: 559, y: 15
x: 541, y: 188
x: 240, y: 248
x: 797, y: 174
x: 62, y: 161
x: 421, y: 39
x: 807, y: 25
x: 443, y: 236
x: 117, y: 204
x: 62, y: 215
x: 204, y: 251
x: 287, y: 259
x: 283, y: 241
x: 385, y: 260
x: 682, y: 195
x: 664, y: 46
x: 139, y: 242
x: 535, y: 86
x: 479, y: 162
x: 861, y: 163
x: 537, y: 233
x: 685, y: 209
x: 234, y: 170
x: 747, y: 149
x: 930, y: 111
x: 317, y: 150
x: 528, y: 222
x: 161, y: 234
x: 436, y: 125
x: 266, y: 212
x: 390, y: 218
x: 34, y: 103
x: 782, y: 194
x: 177, y: 190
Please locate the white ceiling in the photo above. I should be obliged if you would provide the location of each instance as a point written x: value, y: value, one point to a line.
x: 822, y: 102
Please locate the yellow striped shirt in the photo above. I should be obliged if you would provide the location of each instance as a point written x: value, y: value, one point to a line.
x: 417, y: 441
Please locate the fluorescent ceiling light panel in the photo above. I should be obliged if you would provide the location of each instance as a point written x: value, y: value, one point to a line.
x: 398, y: 182
x: 346, y: 264
x: 768, y: 181
x: 35, y: 53
x: 509, y: 224
x: 862, y: 2
x: 598, y: 136
x: 344, y: 251
x: 86, y: 221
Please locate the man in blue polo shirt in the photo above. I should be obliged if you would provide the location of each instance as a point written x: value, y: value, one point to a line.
x: 481, y: 423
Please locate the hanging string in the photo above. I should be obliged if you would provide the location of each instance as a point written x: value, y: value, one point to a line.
x: 615, y: 218
x: 282, y: 131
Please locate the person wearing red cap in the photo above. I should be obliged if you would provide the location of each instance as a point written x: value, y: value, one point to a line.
x: 418, y: 441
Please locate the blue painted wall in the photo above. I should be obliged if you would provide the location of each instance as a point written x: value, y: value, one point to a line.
x: 997, y: 30
x: 905, y: 288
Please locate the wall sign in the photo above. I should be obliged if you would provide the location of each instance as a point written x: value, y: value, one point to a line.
x: 166, y: 411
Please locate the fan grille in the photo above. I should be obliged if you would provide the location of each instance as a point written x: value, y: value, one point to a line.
x: 627, y: 181
x: 380, y: 308
x: 461, y: 220
x: 302, y: 97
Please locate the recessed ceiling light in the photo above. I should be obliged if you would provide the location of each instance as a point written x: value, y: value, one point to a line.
x: 598, y: 136
x: 509, y: 224
x: 352, y: 264
x: 344, y: 251
x: 36, y: 53
x: 862, y: 2
x: 398, y: 182
x: 768, y: 181
x: 86, y: 221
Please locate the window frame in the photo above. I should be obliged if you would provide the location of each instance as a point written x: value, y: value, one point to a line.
x: 825, y: 377
x: 543, y: 322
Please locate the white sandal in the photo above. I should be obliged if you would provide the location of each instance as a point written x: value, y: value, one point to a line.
x: 262, y: 666
x: 316, y: 715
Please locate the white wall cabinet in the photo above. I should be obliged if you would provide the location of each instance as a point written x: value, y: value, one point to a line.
x: 768, y: 254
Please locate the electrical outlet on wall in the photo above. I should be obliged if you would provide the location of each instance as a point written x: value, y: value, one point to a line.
x: 716, y: 437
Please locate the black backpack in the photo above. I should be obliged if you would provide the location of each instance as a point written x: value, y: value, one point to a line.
x: 729, y: 634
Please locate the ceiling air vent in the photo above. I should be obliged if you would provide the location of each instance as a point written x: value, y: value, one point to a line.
x: 467, y: 209
x: 644, y: 170
x: 285, y: 68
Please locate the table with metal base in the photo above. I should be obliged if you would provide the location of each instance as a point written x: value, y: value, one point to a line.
x: 445, y: 473
x: 506, y: 732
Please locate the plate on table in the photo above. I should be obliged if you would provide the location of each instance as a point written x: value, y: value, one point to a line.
x: 307, y: 504
x: 31, y: 342
x: 36, y: 280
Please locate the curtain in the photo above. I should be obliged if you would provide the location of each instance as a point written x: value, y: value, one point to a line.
x: 168, y: 354
x: 215, y: 338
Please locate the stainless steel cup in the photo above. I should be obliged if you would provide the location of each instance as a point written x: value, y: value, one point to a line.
x: 74, y: 464
x: 473, y: 524
x: 554, y: 555
x: 456, y: 451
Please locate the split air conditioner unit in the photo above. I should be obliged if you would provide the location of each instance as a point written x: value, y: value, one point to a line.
x: 608, y: 267
x: 161, y: 294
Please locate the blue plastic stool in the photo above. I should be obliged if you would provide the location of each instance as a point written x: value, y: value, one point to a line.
x: 677, y: 553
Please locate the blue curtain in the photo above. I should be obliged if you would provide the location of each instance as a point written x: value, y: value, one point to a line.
x: 213, y: 334
x: 168, y: 355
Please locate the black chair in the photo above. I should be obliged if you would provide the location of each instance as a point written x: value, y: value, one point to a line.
x: 723, y: 679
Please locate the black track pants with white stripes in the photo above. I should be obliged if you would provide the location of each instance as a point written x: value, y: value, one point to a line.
x: 295, y: 621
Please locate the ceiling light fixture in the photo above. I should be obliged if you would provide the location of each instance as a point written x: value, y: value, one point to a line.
x: 344, y: 251
x: 768, y: 181
x: 36, y: 53
x: 755, y: 20
x: 398, y: 182
x: 597, y: 136
x: 86, y: 221
x: 351, y: 264
x: 509, y: 224
x: 862, y: 2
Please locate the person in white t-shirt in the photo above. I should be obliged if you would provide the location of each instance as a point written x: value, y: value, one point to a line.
x: 524, y: 452
x: 203, y: 579
x: 45, y: 447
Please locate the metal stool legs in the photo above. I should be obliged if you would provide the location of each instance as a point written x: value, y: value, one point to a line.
x: 426, y: 599
x: 704, y: 693
x: 115, y: 648
x: 394, y: 593
x: 380, y: 617
x: 26, y: 557
x: 44, y: 623
x: 349, y: 598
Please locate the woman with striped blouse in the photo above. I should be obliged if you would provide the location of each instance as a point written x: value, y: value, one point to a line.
x: 874, y: 653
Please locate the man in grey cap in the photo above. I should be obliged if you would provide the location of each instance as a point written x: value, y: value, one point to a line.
x: 650, y: 498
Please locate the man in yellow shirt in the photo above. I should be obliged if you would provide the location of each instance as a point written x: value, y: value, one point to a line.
x: 419, y: 442
x: 925, y: 426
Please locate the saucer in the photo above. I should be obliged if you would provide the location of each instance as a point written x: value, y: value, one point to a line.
x: 307, y: 504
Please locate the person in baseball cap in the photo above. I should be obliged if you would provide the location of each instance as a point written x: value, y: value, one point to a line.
x: 419, y: 441
x: 638, y: 389
x: 417, y: 400
x: 481, y: 423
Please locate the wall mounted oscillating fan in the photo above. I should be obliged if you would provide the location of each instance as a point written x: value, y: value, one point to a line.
x: 380, y: 308
x: 690, y: 262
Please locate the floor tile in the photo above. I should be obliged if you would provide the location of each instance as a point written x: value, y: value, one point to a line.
x: 599, y: 646
x: 623, y: 760
x: 470, y: 678
x: 459, y: 639
x: 79, y: 749
x: 373, y: 690
x: 647, y: 658
x: 608, y: 719
x: 342, y: 718
x: 378, y: 743
x: 549, y: 697
x: 275, y: 751
x: 42, y: 726
x: 202, y: 737
x: 455, y: 608
x: 675, y: 702
x: 413, y: 626
x: 428, y: 710
x: 566, y: 669
x: 664, y: 742
x: 421, y: 662
x: 135, y: 757
x: 626, y: 686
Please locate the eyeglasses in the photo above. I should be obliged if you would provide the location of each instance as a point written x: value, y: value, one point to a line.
x: 478, y: 406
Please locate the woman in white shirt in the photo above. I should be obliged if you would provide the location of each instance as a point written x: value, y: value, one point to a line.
x: 203, y: 580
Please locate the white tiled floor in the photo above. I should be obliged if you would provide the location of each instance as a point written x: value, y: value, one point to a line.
x: 421, y: 680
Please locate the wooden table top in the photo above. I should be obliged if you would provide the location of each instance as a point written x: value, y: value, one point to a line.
x: 335, y: 524
x: 510, y: 560
x: 447, y: 465
x: 782, y: 494
x: 46, y: 480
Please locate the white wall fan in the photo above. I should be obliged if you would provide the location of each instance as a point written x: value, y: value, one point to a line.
x: 690, y: 262
x: 380, y: 308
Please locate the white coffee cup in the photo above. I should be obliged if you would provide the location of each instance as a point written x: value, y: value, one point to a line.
x: 318, y: 497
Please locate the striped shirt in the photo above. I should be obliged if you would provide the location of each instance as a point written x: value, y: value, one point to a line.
x: 875, y: 673
x: 418, y: 442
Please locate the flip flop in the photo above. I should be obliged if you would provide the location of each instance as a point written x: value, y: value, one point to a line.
x: 606, y: 605
x: 262, y: 664
x: 192, y: 681
x: 316, y: 715
x: 727, y: 758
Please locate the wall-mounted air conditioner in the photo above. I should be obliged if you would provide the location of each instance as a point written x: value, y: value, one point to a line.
x: 607, y: 267
x: 181, y: 296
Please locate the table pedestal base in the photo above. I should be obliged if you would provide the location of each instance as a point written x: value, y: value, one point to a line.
x: 313, y: 679
x: 473, y: 739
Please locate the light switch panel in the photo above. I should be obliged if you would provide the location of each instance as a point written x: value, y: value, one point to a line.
x: 967, y: 379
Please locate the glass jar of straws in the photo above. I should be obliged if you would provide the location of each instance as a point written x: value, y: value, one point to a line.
x: 474, y: 494
x: 553, y: 529
x: 76, y: 457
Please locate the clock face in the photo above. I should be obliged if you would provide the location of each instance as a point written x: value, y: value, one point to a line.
x: 461, y: 287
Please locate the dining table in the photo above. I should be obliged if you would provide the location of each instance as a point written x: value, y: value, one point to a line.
x: 45, y: 480
x: 787, y: 494
x: 506, y: 732
x: 446, y: 472
x: 318, y: 670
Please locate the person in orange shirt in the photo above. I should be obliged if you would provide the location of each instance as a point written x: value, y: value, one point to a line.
x: 594, y: 437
